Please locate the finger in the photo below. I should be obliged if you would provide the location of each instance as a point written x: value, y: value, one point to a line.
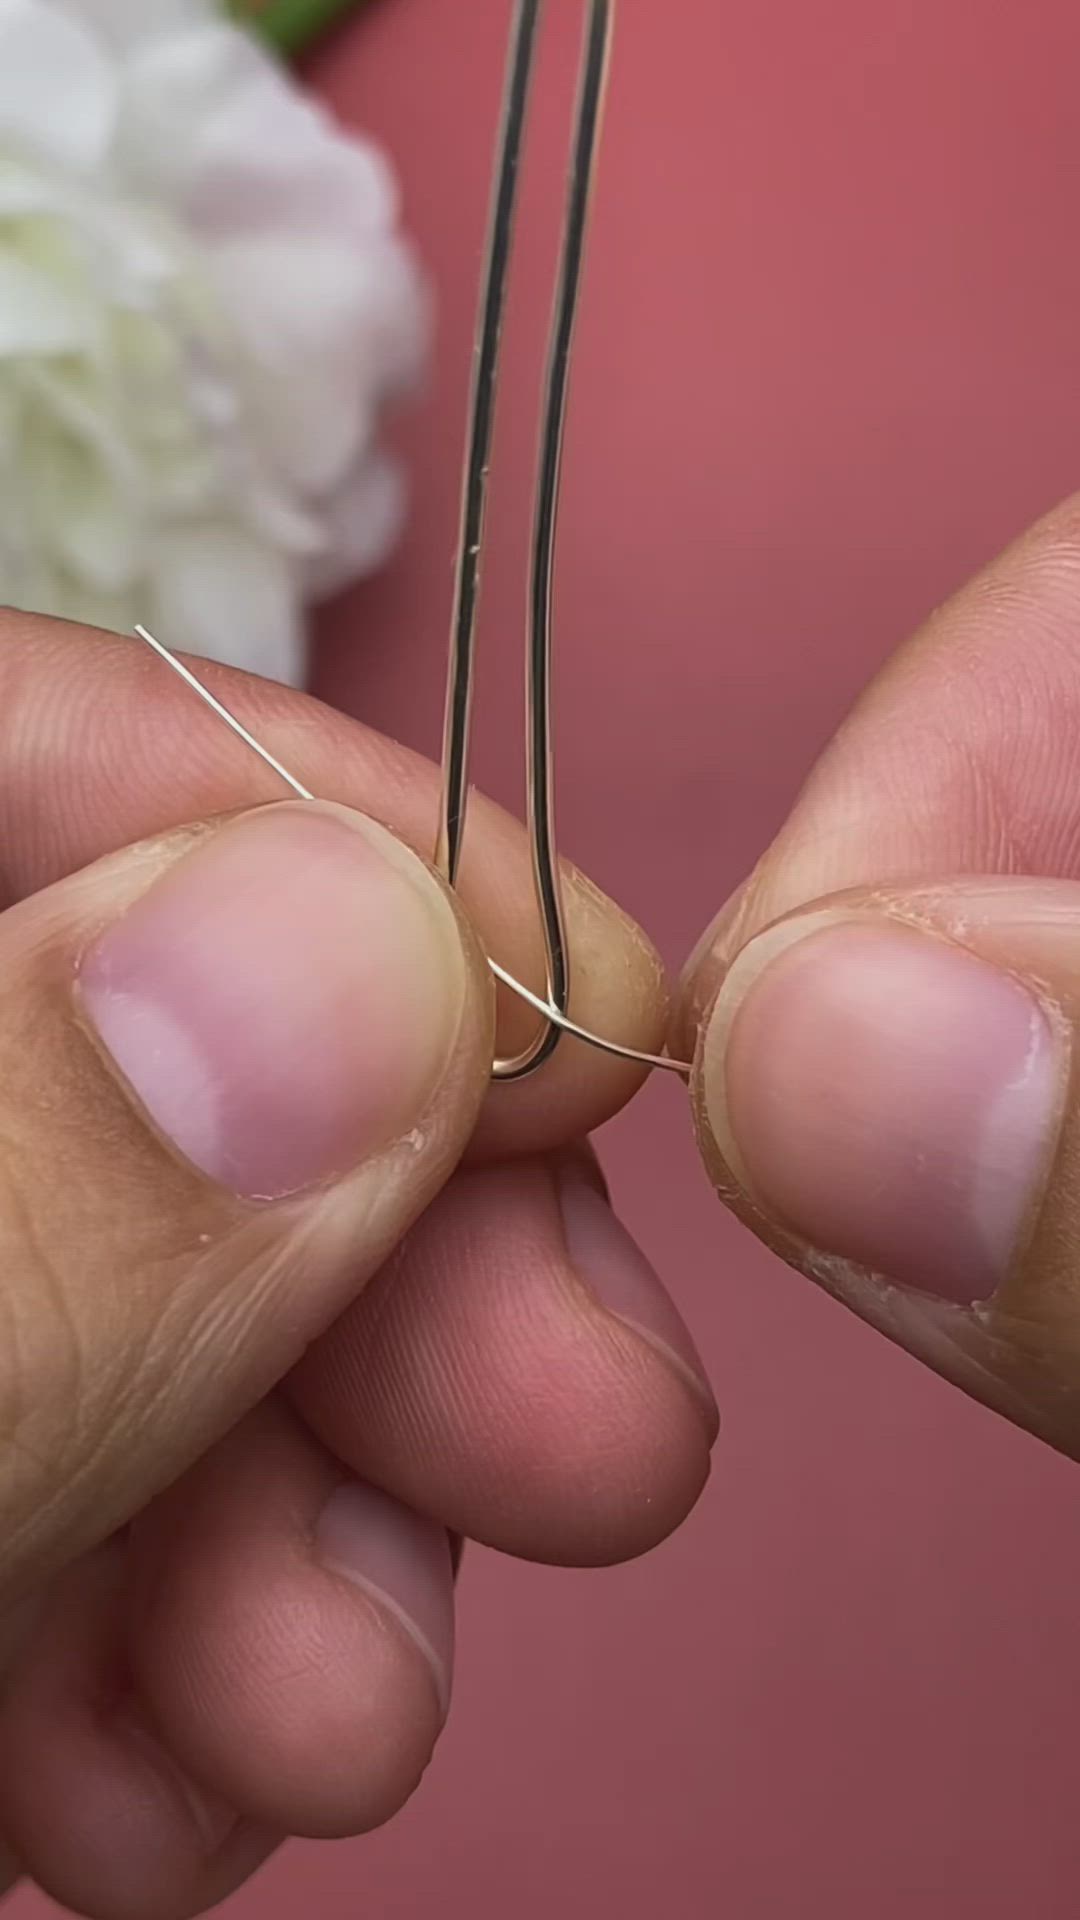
x: 294, y: 1632
x: 136, y: 1834
x: 101, y: 747
x: 959, y: 758
x: 886, y: 1087
x: 236, y: 1064
x: 518, y: 1372
x: 888, y: 1094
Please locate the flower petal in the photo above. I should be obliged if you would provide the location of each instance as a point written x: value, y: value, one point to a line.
x: 362, y: 523
x: 173, y: 87
x: 210, y: 121
x: 273, y: 161
x: 216, y: 591
x: 74, y: 401
x: 40, y: 315
x: 48, y: 57
x: 203, y: 304
x: 68, y: 599
x: 125, y: 23
x: 26, y: 190
x: 299, y: 309
x: 331, y: 331
x: 84, y: 520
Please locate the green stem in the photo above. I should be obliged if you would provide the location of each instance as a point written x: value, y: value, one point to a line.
x: 291, y: 25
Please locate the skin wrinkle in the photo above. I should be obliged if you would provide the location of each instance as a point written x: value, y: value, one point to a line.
x: 79, y: 1438
x: 465, y: 1386
x: 940, y: 1333
x: 970, y: 688
x: 20, y: 1383
x: 404, y: 1413
x: 298, y: 1651
x: 241, y: 1287
x: 183, y: 1336
x: 73, y: 1398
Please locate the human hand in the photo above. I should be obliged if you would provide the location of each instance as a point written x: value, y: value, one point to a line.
x: 242, y: 1405
x: 886, y: 1014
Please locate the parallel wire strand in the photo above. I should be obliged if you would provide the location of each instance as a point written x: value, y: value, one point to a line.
x: 462, y: 653
x: 540, y: 795
x: 539, y: 760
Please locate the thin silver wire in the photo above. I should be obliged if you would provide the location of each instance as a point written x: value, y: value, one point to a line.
x: 462, y: 651
x: 223, y: 713
x: 481, y: 427
x: 539, y: 764
x: 531, y: 999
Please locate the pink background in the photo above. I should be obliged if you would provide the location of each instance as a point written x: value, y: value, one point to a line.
x: 830, y: 359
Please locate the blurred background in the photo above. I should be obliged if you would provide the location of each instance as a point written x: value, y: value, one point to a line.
x: 829, y: 361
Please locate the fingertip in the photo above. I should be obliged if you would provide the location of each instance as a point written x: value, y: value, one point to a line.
x: 612, y: 1265
x: 137, y: 1834
x: 489, y: 1381
x: 295, y: 1633
x: 403, y: 1562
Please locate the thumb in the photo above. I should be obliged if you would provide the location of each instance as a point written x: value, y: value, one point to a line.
x: 235, y: 1064
x: 886, y: 1091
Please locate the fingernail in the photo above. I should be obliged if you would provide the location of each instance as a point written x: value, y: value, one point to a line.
x: 886, y: 1097
x: 718, y: 928
x: 282, y: 1001
x: 702, y: 972
x: 402, y: 1562
x: 613, y: 1266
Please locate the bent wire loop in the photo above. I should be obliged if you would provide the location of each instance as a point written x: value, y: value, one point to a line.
x: 552, y: 1005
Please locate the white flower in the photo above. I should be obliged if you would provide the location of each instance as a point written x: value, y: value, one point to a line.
x: 204, y: 301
